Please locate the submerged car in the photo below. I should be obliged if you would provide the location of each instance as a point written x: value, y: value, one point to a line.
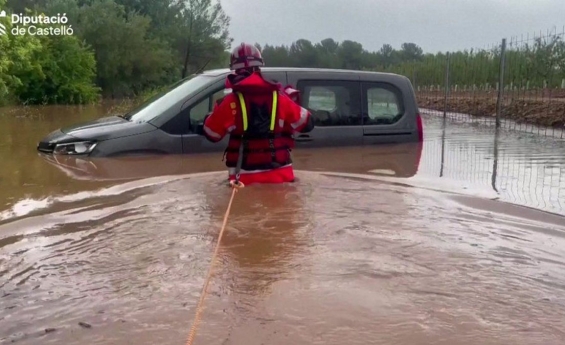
x: 349, y: 108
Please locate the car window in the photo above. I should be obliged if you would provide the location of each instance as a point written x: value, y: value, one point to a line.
x: 219, y: 95
x: 199, y: 111
x: 163, y: 101
x: 384, y: 105
x: 322, y: 98
x: 332, y: 102
x: 181, y: 123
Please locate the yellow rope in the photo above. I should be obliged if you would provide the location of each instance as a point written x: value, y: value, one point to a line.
x: 235, y: 186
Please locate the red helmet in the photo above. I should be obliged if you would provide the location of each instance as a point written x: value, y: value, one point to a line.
x: 245, y: 56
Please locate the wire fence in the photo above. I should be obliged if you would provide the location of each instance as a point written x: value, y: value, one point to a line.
x: 523, y: 170
x: 518, y: 84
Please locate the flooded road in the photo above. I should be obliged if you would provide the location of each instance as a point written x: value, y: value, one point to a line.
x: 402, y: 244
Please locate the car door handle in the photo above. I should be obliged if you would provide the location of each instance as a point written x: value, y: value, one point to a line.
x: 303, y: 137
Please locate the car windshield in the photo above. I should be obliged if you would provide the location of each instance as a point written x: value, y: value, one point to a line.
x: 157, y: 104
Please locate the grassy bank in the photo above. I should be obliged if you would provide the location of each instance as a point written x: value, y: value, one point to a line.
x: 536, y: 107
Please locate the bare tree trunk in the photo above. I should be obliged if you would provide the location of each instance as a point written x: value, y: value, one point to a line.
x: 188, y: 44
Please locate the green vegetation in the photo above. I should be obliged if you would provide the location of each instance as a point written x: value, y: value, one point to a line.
x: 118, y: 48
x: 133, y: 48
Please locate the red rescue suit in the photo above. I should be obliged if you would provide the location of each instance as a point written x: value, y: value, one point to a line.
x: 261, y: 120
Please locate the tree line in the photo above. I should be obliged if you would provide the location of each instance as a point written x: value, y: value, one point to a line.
x: 537, y: 63
x: 126, y: 48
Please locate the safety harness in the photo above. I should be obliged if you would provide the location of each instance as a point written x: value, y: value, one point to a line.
x: 244, y: 137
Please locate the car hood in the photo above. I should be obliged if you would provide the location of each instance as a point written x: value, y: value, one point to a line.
x: 109, y: 127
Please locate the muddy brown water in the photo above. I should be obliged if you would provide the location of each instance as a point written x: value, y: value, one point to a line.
x: 458, y: 241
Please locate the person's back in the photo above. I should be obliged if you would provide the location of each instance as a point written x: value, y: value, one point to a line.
x: 260, y: 119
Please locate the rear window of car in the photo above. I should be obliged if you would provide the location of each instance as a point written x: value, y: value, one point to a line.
x: 384, y: 104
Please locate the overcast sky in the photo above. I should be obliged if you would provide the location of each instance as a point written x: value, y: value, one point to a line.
x: 435, y: 25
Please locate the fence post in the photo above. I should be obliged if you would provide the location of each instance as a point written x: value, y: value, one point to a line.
x: 447, y: 63
x: 500, y: 82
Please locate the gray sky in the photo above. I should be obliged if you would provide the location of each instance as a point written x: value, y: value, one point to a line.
x: 435, y: 25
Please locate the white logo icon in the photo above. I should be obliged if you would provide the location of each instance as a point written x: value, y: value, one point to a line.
x: 2, y: 27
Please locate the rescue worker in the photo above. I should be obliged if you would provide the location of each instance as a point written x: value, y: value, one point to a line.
x: 260, y: 118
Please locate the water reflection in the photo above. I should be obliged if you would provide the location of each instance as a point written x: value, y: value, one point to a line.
x: 444, y: 124
x: 495, y: 158
x: 522, y: 168
x: 132, y: 168
x: 392, y: 160
x: 443, y: 131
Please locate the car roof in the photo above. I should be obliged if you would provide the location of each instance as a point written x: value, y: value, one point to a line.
x: 223, y: 71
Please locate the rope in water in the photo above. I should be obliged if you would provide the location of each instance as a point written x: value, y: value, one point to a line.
x: 235, y: 186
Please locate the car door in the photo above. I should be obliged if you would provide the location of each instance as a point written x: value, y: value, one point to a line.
x: 385, y: 119
x: 195, y: 111
x: 335, y: 104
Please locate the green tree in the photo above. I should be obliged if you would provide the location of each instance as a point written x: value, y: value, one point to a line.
x: 328, y: 53
x: 16, y: 58
x: 203, y: 36
x: 65, y: 73
x: 45, y: 69
x: 387, y: 55
x: 304, y: 51
x: 128, y: 59
x: 411, y: 52
x: 351, y: 54
x: 277, y: 56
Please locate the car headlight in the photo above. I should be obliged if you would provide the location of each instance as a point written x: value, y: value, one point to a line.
x: 76, y: 148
